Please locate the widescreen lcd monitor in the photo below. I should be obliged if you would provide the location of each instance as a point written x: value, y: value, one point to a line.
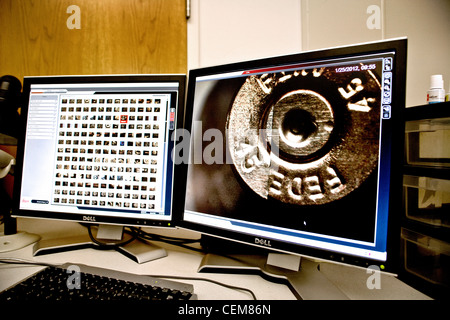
x: 300, y: 153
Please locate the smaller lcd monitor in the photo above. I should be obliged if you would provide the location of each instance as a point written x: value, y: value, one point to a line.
x: 98, y: 149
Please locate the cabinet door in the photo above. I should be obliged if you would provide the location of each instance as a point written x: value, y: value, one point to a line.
x: 92, y: 37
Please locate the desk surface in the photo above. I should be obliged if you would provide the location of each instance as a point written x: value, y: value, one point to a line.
x: 184, y: 262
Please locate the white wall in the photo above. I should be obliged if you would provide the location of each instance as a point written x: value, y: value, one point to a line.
x: 223, y: 31
x: 330, y: 23
x: 234, y: 30
x: 426, y: 23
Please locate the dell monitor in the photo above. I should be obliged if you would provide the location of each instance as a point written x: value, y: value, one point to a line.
x: 300, y: 153
x: 98, y: 149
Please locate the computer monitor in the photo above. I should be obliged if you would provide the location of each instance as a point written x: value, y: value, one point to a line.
x: 300, y: 153
x: 98, y: 149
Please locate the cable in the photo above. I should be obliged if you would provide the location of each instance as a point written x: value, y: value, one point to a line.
x: 156, y: 237
x: 138, y: 233
x: 181, y: 242
x: 110, y: 245
x: 207, y: 280
x: 26, y: 262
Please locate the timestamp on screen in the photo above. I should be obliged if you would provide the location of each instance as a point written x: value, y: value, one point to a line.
x: 356, y: 68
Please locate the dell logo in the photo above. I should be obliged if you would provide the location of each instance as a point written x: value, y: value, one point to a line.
x: 88, y: 218
x: 263, y: 242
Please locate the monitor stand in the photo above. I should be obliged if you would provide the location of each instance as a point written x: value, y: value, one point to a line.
x: 10, y: 238
x: 302, y: 276
x: 137, y: 250
x: 16, y: 241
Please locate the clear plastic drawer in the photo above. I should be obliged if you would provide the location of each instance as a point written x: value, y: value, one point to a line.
x: 428, y: 142
x: 427, y: 200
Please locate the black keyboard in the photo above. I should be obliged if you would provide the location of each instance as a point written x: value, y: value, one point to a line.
x: 74, y: 282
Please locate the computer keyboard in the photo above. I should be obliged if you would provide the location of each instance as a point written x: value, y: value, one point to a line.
x: 75, y: 282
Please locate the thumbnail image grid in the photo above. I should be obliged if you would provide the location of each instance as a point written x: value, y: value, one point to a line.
x: 110, y: 151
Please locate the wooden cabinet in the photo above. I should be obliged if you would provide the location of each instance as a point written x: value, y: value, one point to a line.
x: 62, y: 37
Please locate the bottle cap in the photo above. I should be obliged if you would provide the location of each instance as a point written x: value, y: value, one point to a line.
x: 437, y: 81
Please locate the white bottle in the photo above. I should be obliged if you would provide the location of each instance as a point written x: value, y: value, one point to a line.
x: 436, y: 93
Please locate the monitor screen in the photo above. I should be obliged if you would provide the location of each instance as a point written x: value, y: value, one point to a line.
x: 99, y: 148
x: 300, y: 153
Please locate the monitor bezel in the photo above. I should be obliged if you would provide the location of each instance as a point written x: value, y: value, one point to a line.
x: 93, y: 218
x: 392, y: 263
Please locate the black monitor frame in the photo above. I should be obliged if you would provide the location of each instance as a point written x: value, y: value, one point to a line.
x: 399, y: 48
x: 178, y: 99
